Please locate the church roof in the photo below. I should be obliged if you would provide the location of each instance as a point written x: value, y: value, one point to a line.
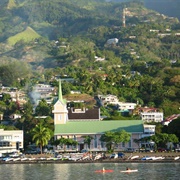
x: 99, y: 127
x: 83, y: 114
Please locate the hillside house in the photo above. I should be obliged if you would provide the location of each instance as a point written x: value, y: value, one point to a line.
x: 112, y: 41
x: 126, y: 106
x: 170, y: 119
x: 152, y: 116
x: 42, y: 91
x: 108, y: 99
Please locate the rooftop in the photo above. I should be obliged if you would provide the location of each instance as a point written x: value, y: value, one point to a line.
x: 99, y: 127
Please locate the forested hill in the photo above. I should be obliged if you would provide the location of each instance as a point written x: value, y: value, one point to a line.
x: 87, y: 40
x: 61, y: 18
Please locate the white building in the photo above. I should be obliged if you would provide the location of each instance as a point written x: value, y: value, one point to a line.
x: 149, y: 130
x: 10, y: 140
x: 126, y: 106
x: 152, y: 116
x: 108, y: 99
x: 112, y: 41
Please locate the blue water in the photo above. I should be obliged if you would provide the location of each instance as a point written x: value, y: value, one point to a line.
x: 146, y: 171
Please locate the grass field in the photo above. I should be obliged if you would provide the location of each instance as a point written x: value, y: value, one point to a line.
x: 27, y: 35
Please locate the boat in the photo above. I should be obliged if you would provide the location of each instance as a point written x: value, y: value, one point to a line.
x: 104, y: 171
x: 134, y: 157
x: 24, y: 159
x: 130, y: 171
x: 7, y: 159
x: 158, y: 158
x: 148, y: 158
x: 16, y: 159
x: 176, y: 158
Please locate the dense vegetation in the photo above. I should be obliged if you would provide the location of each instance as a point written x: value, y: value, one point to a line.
x: 49, y: 38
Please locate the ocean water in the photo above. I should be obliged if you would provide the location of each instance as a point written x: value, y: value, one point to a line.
x: 80, y: 171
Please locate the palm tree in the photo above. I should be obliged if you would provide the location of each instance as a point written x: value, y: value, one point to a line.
x: 41, y: 135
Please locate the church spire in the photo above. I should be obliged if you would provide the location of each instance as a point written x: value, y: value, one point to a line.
x: 60, y: 98
x: 60, y: 91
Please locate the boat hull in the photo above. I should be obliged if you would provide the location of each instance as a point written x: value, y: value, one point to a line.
x: 130, y: 171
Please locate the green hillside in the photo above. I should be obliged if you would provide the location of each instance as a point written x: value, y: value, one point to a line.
x: 27, y: 35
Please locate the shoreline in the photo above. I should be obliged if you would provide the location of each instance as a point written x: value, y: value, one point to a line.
x: 87, y: 162
x: 40, y: 161
x: 168, y: 157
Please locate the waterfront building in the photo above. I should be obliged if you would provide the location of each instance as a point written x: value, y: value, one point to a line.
x: 11, y: 140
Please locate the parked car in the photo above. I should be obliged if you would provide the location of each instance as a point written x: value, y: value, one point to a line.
x: 161, y: 150
x: 121, y: 155
x: 113, y: 156
x: 149, y: 150
x: 130, y: 150
x: 84, y: 151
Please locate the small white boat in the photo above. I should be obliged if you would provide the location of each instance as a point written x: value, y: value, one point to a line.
x: 148, y: 158
x: 8, y: 159
x: 176, y: 158
x: 24, y: 159
x: 130, y: 170
x: 158, y: 158
x: 134, y: 157
x: 16, y: 159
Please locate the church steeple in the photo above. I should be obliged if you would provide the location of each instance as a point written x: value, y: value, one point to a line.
x: 60, y: 91
x: 60, y: 109
x: 60, y: 98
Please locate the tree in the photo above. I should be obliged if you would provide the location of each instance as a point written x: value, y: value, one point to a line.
x: 41, y: 135
x: 65, y: 141
x: 162, y: 139
x: 173, y: 127
x: 113, y: 138
x: 87, y: 140
x: 43, y: 109
x: 11, y: 73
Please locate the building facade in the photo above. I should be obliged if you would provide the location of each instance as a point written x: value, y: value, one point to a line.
x: 152, y: 116
x: 11, y: 140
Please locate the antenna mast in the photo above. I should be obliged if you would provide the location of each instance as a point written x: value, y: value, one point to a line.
x: 124, y: 17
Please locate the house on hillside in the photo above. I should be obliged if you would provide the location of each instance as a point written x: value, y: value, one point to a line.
x: 112, y: 41
x: 74, y: 124
x: 15, y: 116
x: 170, y: 119
x: 42, y: 91
x: 108, y: 99
x: 150, y: 114
x: 126, y: 107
